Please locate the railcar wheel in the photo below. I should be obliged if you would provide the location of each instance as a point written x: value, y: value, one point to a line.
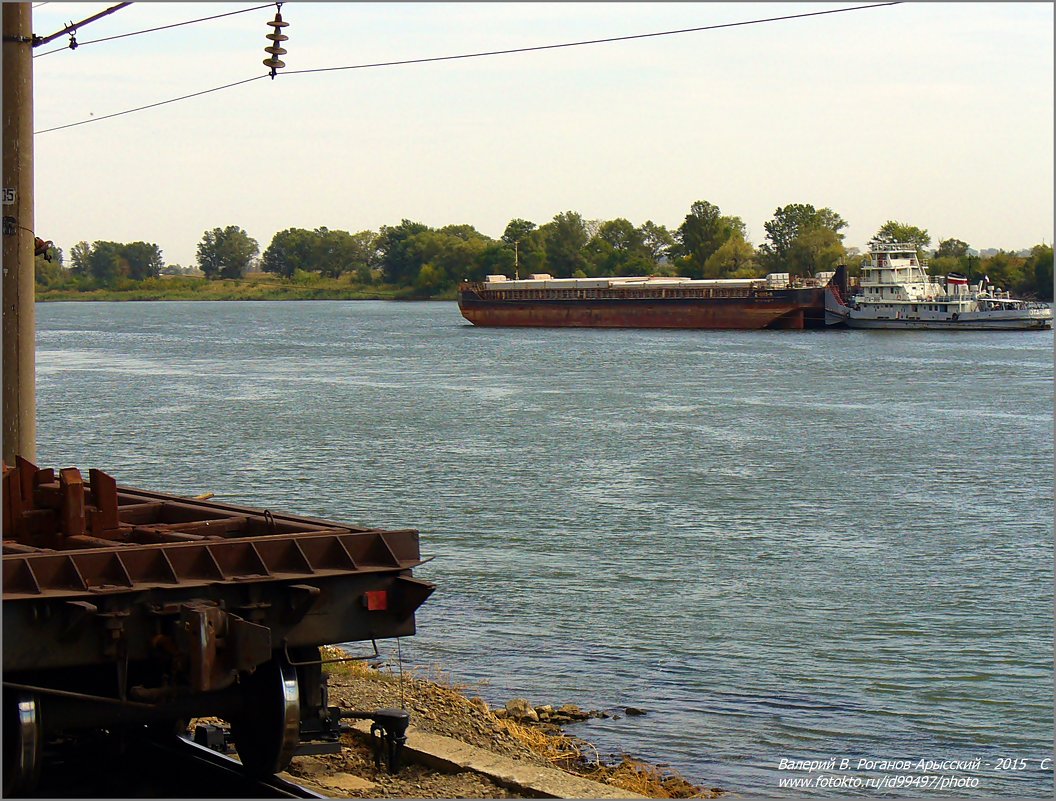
x: 267, y: 728
x: 22, y: 743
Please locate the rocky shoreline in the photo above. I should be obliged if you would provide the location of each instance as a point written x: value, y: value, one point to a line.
x: 530, y: 735
x: 522, y: 711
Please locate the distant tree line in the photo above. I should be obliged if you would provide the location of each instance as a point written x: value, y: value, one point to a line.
x: 427, y: 262
x: 101, y: 263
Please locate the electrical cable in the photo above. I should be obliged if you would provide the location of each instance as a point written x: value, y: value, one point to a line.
x: 588, y: 41
x: 152, y: 30
x: 152, y: 105
x: 462, y: 56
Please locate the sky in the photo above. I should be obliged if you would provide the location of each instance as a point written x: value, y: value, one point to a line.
x: 938, y: 115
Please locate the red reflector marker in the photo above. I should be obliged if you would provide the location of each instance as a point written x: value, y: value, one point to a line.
x: 376, y: 600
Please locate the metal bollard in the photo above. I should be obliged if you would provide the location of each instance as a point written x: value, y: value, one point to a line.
x: 388, y: 732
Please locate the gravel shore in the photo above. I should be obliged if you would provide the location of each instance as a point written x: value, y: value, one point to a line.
x: 445, y: 710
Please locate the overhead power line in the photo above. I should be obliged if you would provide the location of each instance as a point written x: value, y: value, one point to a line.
x: 152, y: 30
x: 454, y: 57
x: 588, y: 41
x: 152, y: 105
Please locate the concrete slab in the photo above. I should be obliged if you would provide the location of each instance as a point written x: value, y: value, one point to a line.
x: 307, y: 784
x: 331, y: 785
x: 346, y: 781
x: 454, y: 756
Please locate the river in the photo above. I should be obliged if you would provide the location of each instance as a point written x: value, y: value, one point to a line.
x: 784, y: 546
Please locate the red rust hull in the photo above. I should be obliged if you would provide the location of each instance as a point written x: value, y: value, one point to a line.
x: 790, y: 309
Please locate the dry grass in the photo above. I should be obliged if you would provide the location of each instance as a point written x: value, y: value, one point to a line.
x: 353, y: 667
x: 649, y: 780
x: 581, y: 757
x: 560, y: 750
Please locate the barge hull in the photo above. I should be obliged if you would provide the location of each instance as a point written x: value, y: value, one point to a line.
x: 794, y: 309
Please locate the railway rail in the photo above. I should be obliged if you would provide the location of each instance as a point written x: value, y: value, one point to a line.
x: 126, y: 609
x: 104, y: 766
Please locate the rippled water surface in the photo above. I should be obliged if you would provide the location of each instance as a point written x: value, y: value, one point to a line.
x: 782, y: 545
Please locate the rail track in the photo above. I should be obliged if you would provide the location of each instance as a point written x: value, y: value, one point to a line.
x: 107, y: 766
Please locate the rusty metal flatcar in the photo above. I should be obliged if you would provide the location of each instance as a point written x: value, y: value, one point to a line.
x: 130, y: 609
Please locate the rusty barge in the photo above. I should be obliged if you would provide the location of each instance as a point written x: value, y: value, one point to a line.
x: 135, y: 611
x: 775, y: 302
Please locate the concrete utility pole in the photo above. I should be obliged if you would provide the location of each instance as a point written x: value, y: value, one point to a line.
x: 19, y: 323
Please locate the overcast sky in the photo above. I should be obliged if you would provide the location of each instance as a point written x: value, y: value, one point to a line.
x: 935, y: 114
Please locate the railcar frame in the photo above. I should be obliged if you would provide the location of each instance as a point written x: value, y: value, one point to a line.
x: 126, y: 608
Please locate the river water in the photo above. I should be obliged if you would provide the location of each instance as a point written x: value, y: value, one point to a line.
x: 781, y: 545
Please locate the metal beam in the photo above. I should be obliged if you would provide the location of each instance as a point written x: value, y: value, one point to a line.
x: 73, y: 26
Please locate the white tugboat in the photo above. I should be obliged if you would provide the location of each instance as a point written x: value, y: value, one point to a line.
x: 897, y: 292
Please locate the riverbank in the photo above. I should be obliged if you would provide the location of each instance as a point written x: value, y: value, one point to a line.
x: 254, y: 287
x: 442, y: 709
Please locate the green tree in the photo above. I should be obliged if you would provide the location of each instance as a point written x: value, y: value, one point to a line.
x: 621, y: 235
x: 903, y: 232
x: 142, y: 260
x: 106, y: 263
x: 336, y: 252
x: 226, y: 252
x: 465, y: 232
x: 952, y: 247
x: 790, y: 222
x: 656, y: 240
x: 50, y: 272
x: 398, y: 264
x: 79, y: 256
x: 431, y: 279
x: 704, y: 230
x: 518, y: 230
x: 853, y: 259
x: 951, y: 256
x: 363, y: 256
x: 1007, y: 271
x: 616, y: 249
x: 527, y: 242
x: 943, y: 265
x: 1040, y: 264
x: 445, y: 256
x: 815, y: 250
x: 495, y: 258
x: 566, y: 236
x: 290, y: 250
x: 735, y: 258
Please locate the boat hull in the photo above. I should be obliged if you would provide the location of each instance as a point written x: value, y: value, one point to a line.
x: 1024, y: 324
x: 782, y: 309
x: 838, y: 313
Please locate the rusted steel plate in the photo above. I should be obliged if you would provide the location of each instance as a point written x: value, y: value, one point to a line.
x: 95, y: 573
x: 279, y: 556
x: 791, y: 308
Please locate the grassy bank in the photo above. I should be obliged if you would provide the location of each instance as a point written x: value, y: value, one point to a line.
x: 256, y: 287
